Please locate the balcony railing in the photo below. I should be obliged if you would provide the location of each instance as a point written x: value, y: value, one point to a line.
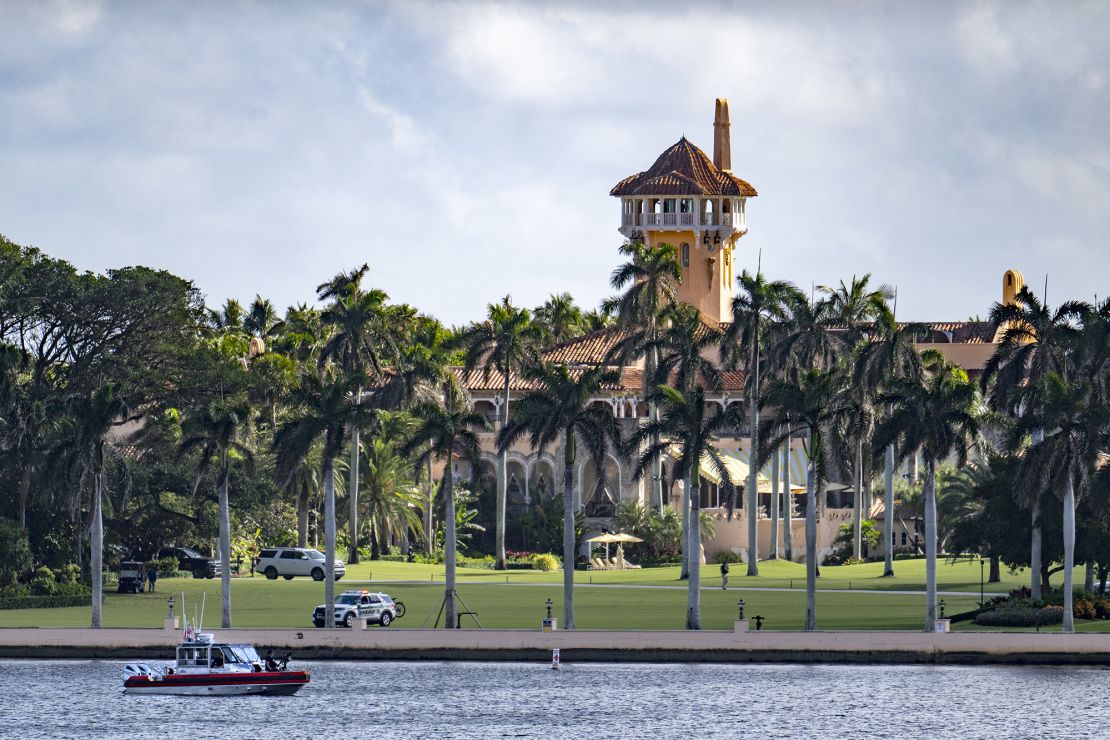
x: 726, y: 220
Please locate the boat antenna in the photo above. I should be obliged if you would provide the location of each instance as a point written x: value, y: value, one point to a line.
x: 200, y: 624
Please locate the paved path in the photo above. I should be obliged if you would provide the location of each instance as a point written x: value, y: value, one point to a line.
x: 705, y: 587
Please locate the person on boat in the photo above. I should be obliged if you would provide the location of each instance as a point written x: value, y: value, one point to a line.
x: 271, y: 664
x: 217, y: 658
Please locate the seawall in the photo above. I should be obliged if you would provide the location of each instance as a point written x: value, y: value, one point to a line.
x: 583, y: 645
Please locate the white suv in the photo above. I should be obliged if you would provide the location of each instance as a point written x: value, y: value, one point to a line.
x: 288, y: 562
x: 351, y: 606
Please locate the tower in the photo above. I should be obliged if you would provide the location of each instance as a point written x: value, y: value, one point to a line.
x: 699, y: 207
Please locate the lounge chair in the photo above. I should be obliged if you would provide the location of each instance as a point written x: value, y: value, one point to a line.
x: 596, y: 564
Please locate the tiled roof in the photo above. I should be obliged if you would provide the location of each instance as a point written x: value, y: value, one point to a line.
x: 631, y: 379
x: 683, y: 170
x: 588, y: 349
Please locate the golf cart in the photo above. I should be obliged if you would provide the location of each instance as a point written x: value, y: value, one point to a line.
x: 131, y: 577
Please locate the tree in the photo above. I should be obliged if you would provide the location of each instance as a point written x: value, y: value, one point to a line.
x: 218, y: 432
x: 686, y: 424
x: 807, y: 401
x: 855, y: 306
x: 888, y: 353
x: 95, y: 415
x: 559, y: 318
x: 323, y: 406
x: 941, y: 417
x: 561, y: 409
x: 1035, y: 340
x: 389, y: 496
x: 363, y: 338
x: 447, y: 433
x: 650, y: 280
x: 1079, y: 429
x: 757, y: 303
x: 506, y: 342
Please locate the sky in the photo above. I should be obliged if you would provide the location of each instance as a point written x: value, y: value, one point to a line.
x: 466, y: 150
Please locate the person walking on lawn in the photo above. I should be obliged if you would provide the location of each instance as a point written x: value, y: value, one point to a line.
x: 151, y: 577
x: 724, y: 576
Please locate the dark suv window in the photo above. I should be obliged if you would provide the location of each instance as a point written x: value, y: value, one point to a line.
x: 267, y: 553
x: 290, y: 555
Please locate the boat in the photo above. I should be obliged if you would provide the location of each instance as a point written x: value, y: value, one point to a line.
x: 205, y: 667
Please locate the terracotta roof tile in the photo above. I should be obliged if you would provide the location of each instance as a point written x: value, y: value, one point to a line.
x: 683, y: 169
x: 631, y: 379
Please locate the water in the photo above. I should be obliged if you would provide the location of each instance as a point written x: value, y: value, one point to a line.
x: 472, y: 700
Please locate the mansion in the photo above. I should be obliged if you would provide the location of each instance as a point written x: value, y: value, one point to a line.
x: 696, y: 203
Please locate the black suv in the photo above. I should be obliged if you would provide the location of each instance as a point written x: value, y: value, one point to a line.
x: 192, y: 561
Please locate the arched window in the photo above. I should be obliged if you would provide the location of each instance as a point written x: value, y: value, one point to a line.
x: 685, y: 252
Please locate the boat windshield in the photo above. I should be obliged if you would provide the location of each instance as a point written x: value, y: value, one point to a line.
x: 314, y: 554
x: 245, y: 653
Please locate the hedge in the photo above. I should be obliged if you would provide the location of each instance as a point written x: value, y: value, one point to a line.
x: 44, y: 602
x: 1021, y: 617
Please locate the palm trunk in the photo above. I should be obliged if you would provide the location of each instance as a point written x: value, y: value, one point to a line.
x: 653, y: 415
x: 96, y: 558
x: 502, y: 488
x: 429, y: 533
x: 995, y: 575
x: 450, y: 547
x: 753, y: 461
x: 1035, y: 537
x: 857, y: 504
x: 1035, y: 551
x: 329, y: 542
x: 774, y: 555
x: 1089, y: 576
x: 225, y: 548
x: 685, y: 528
x: 302, y: 515
x: 930, y: 545
x: 24, y: 495
x: 352, y: 516
x: 568, y: 531
x: 1069, y: 554
x: 693, y: 587
x: 788, y: 509
x: 888, y: 520
x: 811, y: 540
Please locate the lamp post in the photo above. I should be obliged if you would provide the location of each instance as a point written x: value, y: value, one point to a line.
x: 549, y: 608
x: 740, y: 608
x: 169, y: 601
x: 982, y: 594
x: 940, y: 606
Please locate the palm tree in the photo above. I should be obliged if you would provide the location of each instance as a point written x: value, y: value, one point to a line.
x: 683, y: 344
x: 561, y: 408
x: 1079, y: 429
x: 390, y: 497
x: 1034, y: 342
x: 650, y: 280
x: 95, y: 415
x: 888, y: 353
x: 506, y: 342
x: 941, y: 417
x: 218, y: 431
x: 447, y: 433
x: 559, y: 318
x: 364, y: 337
x: 854, y: 307
x: 758, y: 303
x: 807, y: 401
x: 322, y: 407
x: 685, y: 423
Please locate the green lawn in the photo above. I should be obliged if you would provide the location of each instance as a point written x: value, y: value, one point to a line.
x: 633, y: 600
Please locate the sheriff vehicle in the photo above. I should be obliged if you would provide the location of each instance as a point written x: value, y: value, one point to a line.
x: 354, y: 605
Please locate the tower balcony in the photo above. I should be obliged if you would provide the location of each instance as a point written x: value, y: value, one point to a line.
x: 728, y: 215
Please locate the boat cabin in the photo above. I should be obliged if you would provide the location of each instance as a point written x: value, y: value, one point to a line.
x: 202, y: 655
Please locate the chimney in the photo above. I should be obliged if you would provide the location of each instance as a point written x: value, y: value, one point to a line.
x: 722, y: 146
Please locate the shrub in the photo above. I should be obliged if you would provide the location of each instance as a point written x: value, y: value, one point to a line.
x: 44, y: 602
x: 726, y: 556
x: 1083, y: 609
x: 43, y: 582
x: 68, y: 573
x: 1023, y: 616
x: 1102, y: 608
x: 545, y: 562
x: 166, y: 567
x: 15, y: 553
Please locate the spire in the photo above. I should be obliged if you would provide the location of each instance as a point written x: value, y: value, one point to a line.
x: 722, y: 145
